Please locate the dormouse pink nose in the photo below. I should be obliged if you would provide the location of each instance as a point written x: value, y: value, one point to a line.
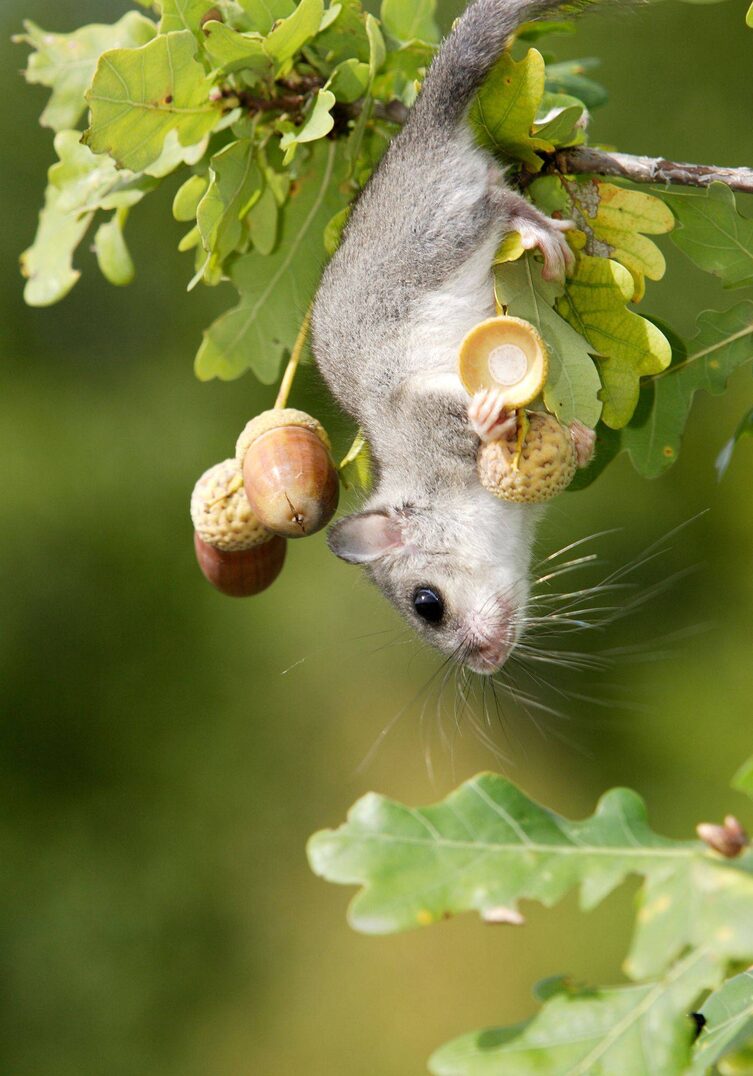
x: 492, y: 640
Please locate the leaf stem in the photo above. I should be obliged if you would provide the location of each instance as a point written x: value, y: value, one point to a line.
x: 293, y: 362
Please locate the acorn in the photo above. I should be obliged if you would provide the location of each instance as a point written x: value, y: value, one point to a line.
x: 505, y: 353
x: 235, y: 552
x: 289, y: 477
x: 244, y: 572
x: 536, y: 471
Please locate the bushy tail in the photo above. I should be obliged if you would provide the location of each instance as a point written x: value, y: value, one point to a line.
x: 467, y: 56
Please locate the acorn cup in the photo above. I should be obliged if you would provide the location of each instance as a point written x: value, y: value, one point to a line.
x: 237, y: 555
x: 290, y: 481
x: 535, y: 472
x: 505, y: 353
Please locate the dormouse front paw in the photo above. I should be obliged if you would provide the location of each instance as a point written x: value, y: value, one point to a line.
x: 584, y: 439
x: 489, y: 417
x: 547, y: 235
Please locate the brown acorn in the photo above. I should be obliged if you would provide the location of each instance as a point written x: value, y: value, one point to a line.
x: 241, y: 573
x: 235, y: 552
x: 290, y: 481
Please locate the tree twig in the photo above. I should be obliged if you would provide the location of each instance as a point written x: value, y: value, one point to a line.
x: 575, y: 161
x: 650, y: 169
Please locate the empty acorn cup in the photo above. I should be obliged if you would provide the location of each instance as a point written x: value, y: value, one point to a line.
x: 505, y: 353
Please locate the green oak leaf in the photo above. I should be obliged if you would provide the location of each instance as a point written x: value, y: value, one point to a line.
x: 183, y: 14
x: 410, y: 20
x: 289, y: 36
x: 403, y: 68
x: 729, y: 1022
x: 713, y: 234
x: 616, y: 221
x: 65, y: 63
x: 265, y: 13
x: 557, y: 118
x: 263, y: 222
x: 569, y: 77
x: 618, y: 1031
x: 724, y: 343
x: 334, y: 230
x: 317, y: 124
x: 79, y: 184
x: 139, y: 96
x: 235, y: 185
x: 230, y: 51
x: 113, y: 257
x: 346, y: 37
x: 356, y: 469
x: 488, y: 846
x: 534, y: 31
x: 628, y: 346
x: 573, y: 384
x: 276, y: 290
x: 349, y: 80
x: 187, y: 198
x: 505, y: 109
x: 744, y: 429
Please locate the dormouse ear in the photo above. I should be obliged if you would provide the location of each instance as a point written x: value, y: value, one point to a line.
x: 365, y: 537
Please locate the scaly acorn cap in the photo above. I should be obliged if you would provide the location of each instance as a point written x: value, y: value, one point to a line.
x: 548, y: 461
x: 273, y: 420
x: 506, y: 353
x: 220, y: 511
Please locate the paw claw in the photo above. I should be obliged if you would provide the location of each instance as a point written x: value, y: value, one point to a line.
x: 489, y: 417
x: 549, y: 236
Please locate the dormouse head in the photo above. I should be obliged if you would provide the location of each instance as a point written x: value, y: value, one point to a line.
x: 457, y: 571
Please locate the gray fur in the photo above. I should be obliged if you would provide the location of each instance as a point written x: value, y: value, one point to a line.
x: 411, y: 277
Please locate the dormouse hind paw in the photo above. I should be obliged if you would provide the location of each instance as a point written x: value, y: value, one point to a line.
x: 489, y: 417
x: 547, y: 235
x: 584, y: 439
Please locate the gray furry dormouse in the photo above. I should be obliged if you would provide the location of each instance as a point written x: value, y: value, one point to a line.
x: 411, y: 277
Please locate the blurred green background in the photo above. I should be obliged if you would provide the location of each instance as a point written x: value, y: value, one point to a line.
x: 161, y: 771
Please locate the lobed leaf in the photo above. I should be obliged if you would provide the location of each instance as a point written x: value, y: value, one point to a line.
x: 410, y: 20
x: 713, y: 234
x: 184, y: 14
x: 140, y: 96
x: 573, y: 385
x: 569, y: 77
x: 113, y: 257
x: 628, y: 346
x: 505, y: 109
x: 616, y: 221
x: 230, y: 51
x: 317, y: 125
x: 276, y: 290
x: 235, y: 185
x: 724, y: 343
x: 65, y: 63
x: 289, y: 36
x: 265, y: 13
x: 728, y: 1013
x: 487, y: 846
x: 637, y: 1030
x: 79, y: 184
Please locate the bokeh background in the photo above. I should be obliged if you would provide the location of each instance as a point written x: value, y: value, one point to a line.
x: 161, y: 770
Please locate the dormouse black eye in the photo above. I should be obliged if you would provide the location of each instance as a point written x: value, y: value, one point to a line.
x: 428, y: 605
